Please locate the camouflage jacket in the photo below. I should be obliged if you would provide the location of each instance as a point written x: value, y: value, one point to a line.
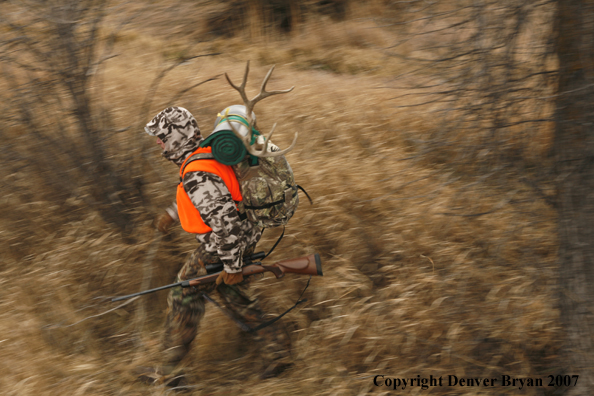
x: 230, y: 236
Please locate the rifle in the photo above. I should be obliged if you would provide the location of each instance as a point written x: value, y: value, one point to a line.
x: 308, y: 265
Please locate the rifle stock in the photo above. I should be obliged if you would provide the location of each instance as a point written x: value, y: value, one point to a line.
x: 307, y: 265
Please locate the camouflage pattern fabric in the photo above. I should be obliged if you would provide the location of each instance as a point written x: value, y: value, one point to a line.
x: 230, y: 236
x: 187, y: 307
x: 264, y: 184
x: 178, y: 130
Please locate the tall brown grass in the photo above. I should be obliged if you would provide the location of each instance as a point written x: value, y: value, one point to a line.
x: 415, y: 281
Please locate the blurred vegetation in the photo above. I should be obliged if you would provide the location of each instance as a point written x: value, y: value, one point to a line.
x: 438, y: 257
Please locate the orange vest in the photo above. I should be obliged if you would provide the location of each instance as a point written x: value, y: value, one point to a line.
x: 189, y: 217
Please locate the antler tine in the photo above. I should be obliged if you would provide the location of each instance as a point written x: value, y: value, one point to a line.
x: 241, y: 89
x: 282, y: 152
x: 267, y: 138
x: 246, y: 142
x: 264, y: 152
x: 263, y: 93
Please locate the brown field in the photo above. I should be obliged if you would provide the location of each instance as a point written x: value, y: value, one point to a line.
x: 414, y: 282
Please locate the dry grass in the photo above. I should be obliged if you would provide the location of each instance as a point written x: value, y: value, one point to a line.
x: 412, y: 285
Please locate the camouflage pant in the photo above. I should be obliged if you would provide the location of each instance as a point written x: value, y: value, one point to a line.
x: 187, y: 306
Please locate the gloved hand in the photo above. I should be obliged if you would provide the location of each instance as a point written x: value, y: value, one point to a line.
x: 163, y: 222
x: 229, y: 279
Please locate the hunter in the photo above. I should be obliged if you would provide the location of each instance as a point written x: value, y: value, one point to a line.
x: 207, y: 205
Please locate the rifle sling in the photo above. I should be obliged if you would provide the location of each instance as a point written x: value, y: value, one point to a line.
x: 306, y: 194
x: 276, y: 243
x: 249, y: 329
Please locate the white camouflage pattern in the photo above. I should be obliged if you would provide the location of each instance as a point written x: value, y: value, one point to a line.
x: 178, y: 130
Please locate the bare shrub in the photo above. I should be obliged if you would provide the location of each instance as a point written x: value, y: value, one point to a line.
x: 487, y: 70
x: 58, y: 119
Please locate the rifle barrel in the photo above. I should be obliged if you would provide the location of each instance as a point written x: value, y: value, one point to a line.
x: 146, y: 292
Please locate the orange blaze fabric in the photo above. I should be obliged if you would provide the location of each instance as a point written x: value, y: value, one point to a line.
x: 189, y: 216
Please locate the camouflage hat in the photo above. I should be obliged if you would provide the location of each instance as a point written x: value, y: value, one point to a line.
x: 178, y: 130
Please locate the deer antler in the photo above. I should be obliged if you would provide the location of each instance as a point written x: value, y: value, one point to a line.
x: 249, y: 105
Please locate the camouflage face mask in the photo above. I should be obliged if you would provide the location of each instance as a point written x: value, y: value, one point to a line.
x: 178, y: 130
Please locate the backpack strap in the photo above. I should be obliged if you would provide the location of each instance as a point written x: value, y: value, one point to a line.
x: 288, y: 196
x: 305, y: 192
x: 193, y: 158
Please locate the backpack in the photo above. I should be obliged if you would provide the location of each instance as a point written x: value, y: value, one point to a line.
x: 268, y: 188
x: 265, y: 177
x: 270, y: 195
